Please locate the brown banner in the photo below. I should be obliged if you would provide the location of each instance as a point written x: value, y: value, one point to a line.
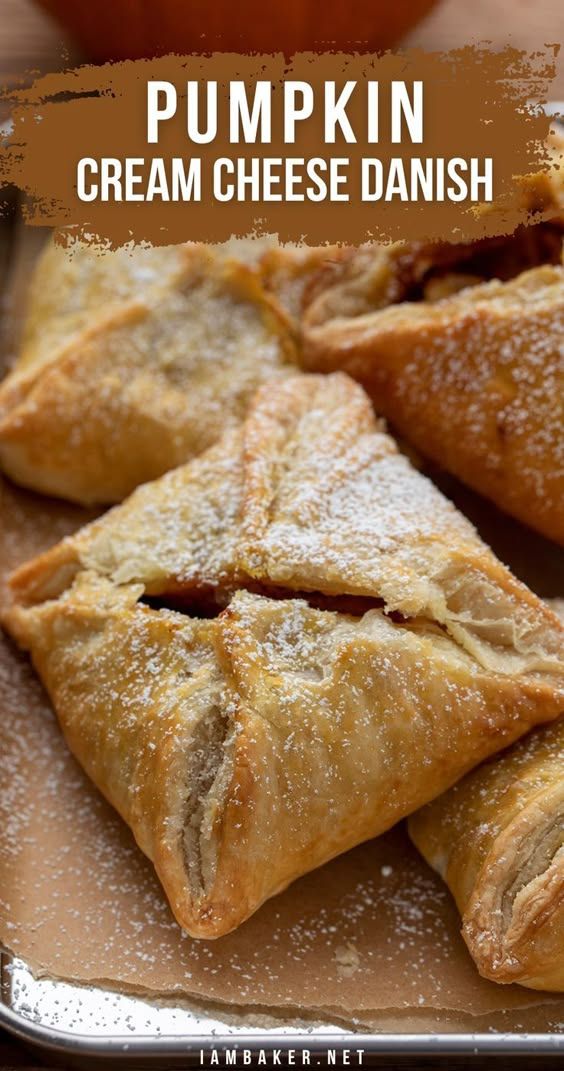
x: 347, y: 147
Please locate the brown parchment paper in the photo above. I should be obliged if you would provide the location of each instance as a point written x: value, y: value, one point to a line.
x: 371, y: 939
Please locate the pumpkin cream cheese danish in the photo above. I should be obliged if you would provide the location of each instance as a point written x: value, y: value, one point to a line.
x: 131, y: 363
x: 497, y: 838
x: 280, y: 649
x: 460, y: 347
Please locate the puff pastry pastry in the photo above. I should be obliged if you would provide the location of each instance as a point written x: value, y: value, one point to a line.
x: 471, y: 372
x: 497, y: 838
x: 131, y: 364
x: 249, y: 747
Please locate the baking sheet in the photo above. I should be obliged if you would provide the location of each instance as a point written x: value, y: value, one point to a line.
x: 370, y: 941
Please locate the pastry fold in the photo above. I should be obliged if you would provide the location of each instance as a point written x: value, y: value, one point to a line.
x: 368, y: 650
x: 460, y: 347
x: 497, y: 838
x: 133, y: 362
x: 310, y: 494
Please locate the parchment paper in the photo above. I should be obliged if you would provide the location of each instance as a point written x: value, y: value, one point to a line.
x: 370, y: 939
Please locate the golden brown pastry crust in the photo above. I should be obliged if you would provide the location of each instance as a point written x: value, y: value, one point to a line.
x: 249, y: 748
x: 497, y: 838
x: 72, y: 287
x: 288, y: 272
x: 108, y: 397
x: 475, y: 380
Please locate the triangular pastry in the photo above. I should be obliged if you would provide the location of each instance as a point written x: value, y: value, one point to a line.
x: 379, y: 651
x: 460, y: 347
x: 497, y: 838
x: 110, y: 393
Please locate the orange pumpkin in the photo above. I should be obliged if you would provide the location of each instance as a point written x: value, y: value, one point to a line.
x: 130, y: 29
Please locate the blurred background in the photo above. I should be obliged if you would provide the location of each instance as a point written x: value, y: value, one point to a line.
x: 56, y: 33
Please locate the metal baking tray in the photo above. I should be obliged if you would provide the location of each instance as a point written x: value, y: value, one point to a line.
x: 86, y: 1025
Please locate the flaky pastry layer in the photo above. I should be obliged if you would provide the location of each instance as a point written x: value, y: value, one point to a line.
x: 497, y: 838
